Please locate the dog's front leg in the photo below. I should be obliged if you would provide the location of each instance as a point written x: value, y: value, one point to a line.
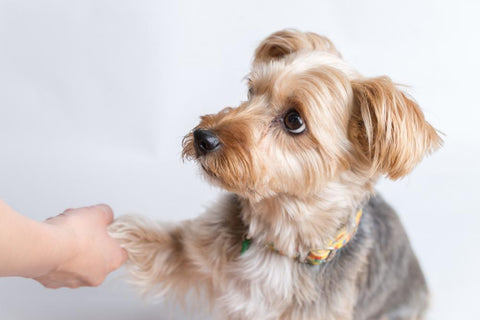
x: 159, y: 257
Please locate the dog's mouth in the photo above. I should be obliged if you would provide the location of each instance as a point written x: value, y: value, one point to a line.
x: 211, y: 176
x: 211, y: 168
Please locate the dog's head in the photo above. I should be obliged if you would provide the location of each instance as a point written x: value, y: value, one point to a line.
x: 309, y: 117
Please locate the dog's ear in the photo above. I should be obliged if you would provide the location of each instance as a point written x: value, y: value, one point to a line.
x: 388, y: 128
x: 285, y: 42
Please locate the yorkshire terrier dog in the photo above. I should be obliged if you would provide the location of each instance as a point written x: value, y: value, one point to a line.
x: 300, y: 235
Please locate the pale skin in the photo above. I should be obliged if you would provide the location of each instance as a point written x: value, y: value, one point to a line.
x: 71, y: 250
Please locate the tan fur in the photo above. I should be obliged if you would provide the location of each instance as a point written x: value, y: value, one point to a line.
x: 389, y: 127
x: 296, y: 191
x: 285, y: 42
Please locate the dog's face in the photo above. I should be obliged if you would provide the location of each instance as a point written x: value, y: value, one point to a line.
x: 309, y: 117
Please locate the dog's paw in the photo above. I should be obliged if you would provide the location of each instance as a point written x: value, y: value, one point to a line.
x: 128, y: 228
x: 150, y: 248
x: 141, y: 237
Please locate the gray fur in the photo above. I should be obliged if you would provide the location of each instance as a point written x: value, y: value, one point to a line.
x: 375, y: 276
x: 378, y: 264
x: 379, y: 259
x: 392, y: 285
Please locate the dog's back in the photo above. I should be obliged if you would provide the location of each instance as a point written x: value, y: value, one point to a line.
x: 392, y: 286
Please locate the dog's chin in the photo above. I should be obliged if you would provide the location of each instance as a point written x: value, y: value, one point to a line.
x: 208, y: 172
x: 216, y: 180
x: 211, y: 177
x: 240, y: 190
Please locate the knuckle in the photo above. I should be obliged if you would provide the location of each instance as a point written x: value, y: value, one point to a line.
x: 105, y: 207
x: 96, y: 282
x: 119, y: 260
x: 106, y: 210
x: 116, y: 263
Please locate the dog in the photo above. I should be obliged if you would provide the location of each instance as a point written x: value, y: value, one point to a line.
x: 301, y: 233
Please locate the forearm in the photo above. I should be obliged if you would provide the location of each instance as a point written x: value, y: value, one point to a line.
x: 28, y: 248
x: 158, y: 257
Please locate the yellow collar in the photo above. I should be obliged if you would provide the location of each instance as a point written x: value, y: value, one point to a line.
x: 319, y: 256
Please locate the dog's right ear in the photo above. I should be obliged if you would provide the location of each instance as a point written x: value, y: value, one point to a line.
x: 285, y: 42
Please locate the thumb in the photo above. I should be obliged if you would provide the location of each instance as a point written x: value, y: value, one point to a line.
x: 119, y: 258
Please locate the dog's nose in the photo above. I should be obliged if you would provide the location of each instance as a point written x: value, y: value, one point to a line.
x: 205, y: 141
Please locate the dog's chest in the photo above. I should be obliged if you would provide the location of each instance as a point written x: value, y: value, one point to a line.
x: 259, y: 284
x: 262, y: 284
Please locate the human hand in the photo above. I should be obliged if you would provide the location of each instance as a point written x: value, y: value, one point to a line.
x: 90, y: 254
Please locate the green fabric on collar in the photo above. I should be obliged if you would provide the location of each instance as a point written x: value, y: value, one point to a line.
x: 245, y: 245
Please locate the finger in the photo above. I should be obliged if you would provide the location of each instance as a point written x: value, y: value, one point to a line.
x: 95, y: 282
x: 119, y: 258
x: 48, y: 283
x: 123, y: 256
x: 67, y: 212
x: 107, y: 212
x: 51, y: 285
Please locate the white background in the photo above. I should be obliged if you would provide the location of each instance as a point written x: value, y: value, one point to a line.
x: 96, y: 95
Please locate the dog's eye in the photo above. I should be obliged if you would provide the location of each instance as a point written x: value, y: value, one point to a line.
x: 293, y: 122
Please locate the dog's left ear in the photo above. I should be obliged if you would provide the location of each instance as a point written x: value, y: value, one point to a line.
x: 388, y: 128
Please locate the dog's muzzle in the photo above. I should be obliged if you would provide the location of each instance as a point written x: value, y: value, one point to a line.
x: 205, y: 142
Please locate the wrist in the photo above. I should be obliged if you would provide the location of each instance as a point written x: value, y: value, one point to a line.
x: 61, y: 243
x: 53, y: 248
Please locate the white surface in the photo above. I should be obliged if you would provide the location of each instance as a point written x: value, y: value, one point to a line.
x: 96, y: 95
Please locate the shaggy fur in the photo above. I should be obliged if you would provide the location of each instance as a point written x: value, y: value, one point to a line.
x: 297, y: 191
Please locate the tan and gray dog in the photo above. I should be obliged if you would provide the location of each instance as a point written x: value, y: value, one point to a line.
x: 300, y: 234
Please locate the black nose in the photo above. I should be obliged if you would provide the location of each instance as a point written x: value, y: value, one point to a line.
x: 205, y: 141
